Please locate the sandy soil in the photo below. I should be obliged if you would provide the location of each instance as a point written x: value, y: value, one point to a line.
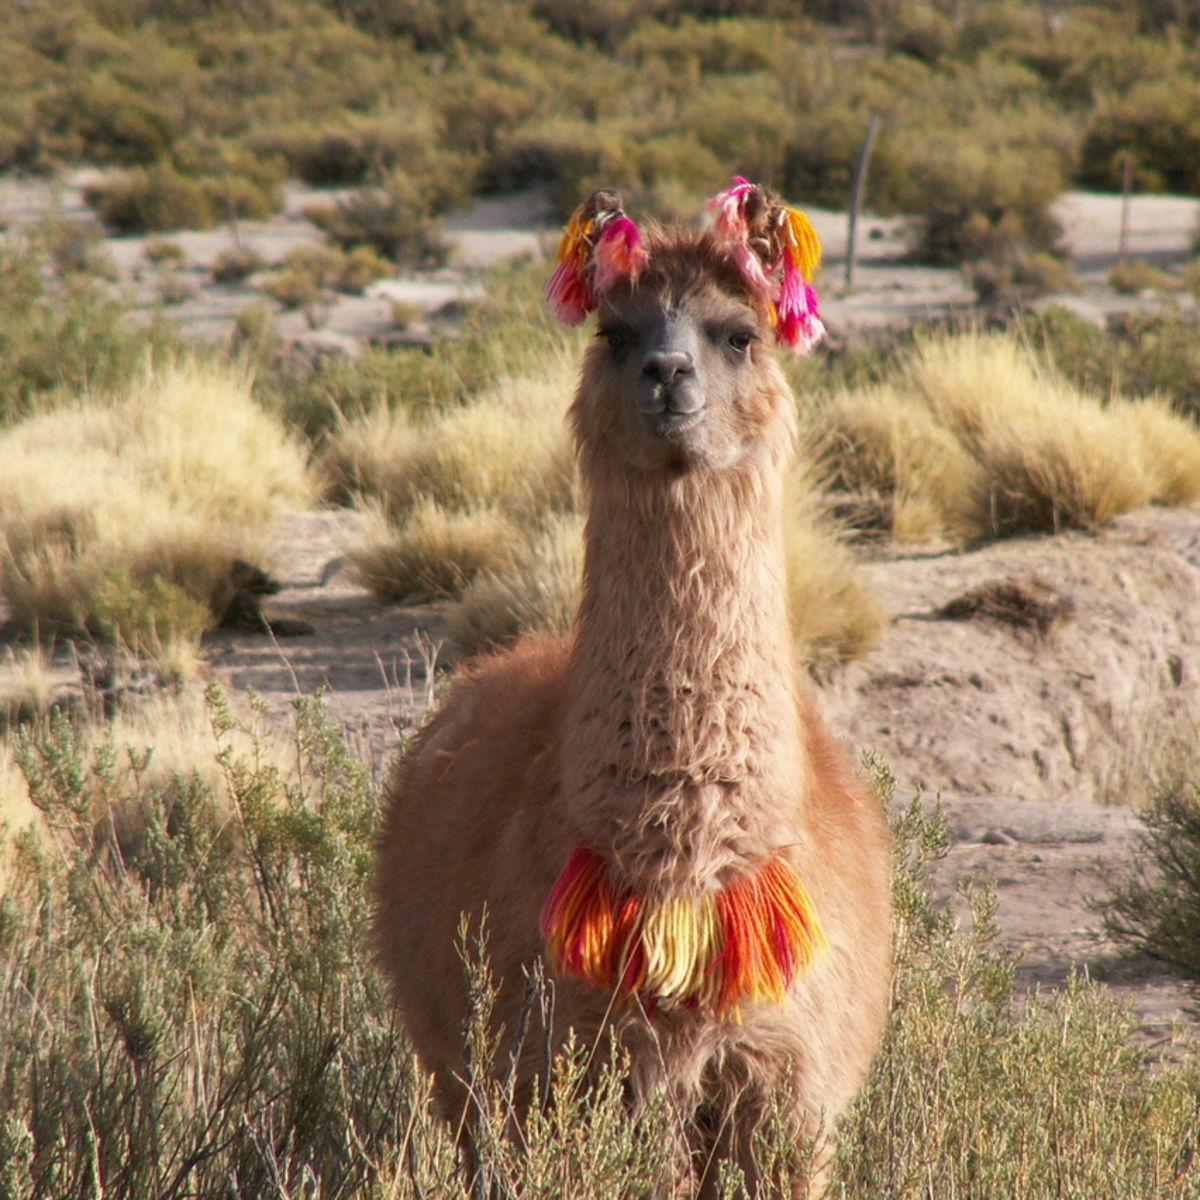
x: 1025, y: 736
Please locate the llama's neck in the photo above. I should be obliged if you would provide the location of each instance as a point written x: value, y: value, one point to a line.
x: 682, y: 723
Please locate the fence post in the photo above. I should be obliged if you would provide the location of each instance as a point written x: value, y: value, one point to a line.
x: 857, y: 186
x: 1126, y: 183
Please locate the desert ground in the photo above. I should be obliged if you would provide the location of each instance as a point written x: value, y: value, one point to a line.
x: 1029, y: 734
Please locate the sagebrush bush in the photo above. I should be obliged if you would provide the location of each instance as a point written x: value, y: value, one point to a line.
x: 151, y: 199
x: 163, y: 197
x: 1156, y: 128
x: 978, y: 1093
x: 237, y: 263
x: 1154, y: 901
x: 394, y: 219
x: 62, y: 335
x: 1138, y: 276
x: 189, y: 999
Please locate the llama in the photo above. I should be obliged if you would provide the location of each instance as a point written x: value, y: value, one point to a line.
x: 653, y: 805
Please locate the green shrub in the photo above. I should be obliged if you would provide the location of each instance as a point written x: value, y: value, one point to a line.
x: 510, y: 333
x: 160, y: 251
x: 1156, y: 906
x: 477, y: 116
x: 60, y: 338
x: 979, y: 1092
x: 395, y: 220
x: 294, y: 289
x: 569, y: 155
x: 1156, y: 127
x: 357, y: 149
x: 111, y: 121
x: 1159, y: 352
x: 1138, y: 354
x: 1138, y: 276
x: 985, y: 201
x: 920, y: 30
x: 72, y: 247
x: 233, y: 969
x: 153, y: 198
x: 742, y: 121
x: 602, y: 23
x: 236, y: 264
x: 1018, y: 275
x: 693, y: 46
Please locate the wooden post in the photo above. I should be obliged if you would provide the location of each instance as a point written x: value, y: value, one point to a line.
x: 857, y: 185
x: 1126, y: 181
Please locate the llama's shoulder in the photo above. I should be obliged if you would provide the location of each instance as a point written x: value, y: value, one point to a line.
x: 505, y: 706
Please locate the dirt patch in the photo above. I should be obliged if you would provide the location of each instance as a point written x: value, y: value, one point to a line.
x: 1073, y: 705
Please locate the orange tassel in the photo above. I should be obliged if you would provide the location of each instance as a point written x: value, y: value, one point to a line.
x: 747, y: 942
x: 599, y: 246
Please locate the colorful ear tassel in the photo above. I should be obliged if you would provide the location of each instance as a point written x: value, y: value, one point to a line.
x: 778, y: 252
x: 747, y: 942
x: 600, y: 246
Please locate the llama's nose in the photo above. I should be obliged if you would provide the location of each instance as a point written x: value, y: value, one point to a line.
x: 662, y: 366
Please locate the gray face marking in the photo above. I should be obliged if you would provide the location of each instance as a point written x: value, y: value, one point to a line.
x: 680, y: 362
x: 672, y: 381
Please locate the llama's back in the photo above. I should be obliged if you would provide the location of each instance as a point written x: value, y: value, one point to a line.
x: 465, y: 830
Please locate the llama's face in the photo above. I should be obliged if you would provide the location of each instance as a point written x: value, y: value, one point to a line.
x: 679, y: 377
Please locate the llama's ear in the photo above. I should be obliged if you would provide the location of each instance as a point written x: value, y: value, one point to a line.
x: 600, y: 246
x: 778, y: 252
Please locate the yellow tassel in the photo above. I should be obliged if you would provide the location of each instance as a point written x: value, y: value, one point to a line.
x: 747, y: 942
x: 807, y: 244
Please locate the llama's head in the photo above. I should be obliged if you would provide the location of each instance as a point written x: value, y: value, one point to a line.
x: 682, y: 375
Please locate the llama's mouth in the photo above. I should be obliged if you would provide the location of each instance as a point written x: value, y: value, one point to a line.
x: 671, y: 424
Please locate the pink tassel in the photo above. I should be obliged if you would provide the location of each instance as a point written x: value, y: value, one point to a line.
x: 799, y: 323
x: 792, y: 252
x: 618, y: 255
x: 600, y: 246
x: 730, y: 208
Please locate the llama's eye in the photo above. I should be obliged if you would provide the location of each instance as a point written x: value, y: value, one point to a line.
x: 614, y: 337
x: 741, y: 341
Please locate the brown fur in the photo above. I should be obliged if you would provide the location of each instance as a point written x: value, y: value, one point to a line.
x: 671, y: 735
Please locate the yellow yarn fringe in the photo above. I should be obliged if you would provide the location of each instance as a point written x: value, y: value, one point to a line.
x: 747, y: 942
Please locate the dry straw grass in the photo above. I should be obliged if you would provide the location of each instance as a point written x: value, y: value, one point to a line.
x: 121, y: 515
x: 436, y: 551
x: 976, y: 438
x: 537, y: 591
x: 482, y: 502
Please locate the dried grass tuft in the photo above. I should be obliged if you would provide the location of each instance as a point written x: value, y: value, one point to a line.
x: 975, y: 437
x: 121, y: 516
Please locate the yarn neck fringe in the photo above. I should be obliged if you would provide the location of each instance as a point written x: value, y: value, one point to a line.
x: 599, y: 246
x: 747, y: 942
x: 778, y: 253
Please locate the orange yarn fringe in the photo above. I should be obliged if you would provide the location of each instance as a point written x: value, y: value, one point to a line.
x: 748, y: 942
